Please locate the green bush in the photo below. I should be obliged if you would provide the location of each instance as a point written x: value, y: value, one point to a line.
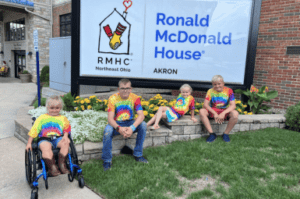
x: 43, y: 102
x: 293, y: 117
x: 25, y: 72
x: 45, y: 74
x: 68, y: 101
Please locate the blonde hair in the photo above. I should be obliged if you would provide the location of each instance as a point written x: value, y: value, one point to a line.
x: 186, y: 85
x: 54, y: 98
x: 217, y: 78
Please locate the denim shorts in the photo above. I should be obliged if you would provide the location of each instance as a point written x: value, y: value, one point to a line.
x: 53, y: 142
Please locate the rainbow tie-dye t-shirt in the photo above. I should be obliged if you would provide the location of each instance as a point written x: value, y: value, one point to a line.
x: 183, y: 105
x: 47, y: 125
x: 220, y: 99
x: 124, y: 109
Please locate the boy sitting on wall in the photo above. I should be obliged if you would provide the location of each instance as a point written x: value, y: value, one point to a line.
x: 219, y: 104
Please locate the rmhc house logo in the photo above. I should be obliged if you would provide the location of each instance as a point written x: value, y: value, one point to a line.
x: 116, y: 42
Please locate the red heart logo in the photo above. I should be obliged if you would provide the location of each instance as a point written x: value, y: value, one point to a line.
x: 127, y: 4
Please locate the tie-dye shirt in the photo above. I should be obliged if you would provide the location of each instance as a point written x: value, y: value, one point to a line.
x: 124, y: 109
x: 220, y: 99
x: 47, y: 125
x: 183, y: 105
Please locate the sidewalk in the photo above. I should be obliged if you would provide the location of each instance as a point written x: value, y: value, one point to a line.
x: 13, y: 184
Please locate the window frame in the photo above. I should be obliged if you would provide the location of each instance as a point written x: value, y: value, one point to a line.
x: 63, y: 24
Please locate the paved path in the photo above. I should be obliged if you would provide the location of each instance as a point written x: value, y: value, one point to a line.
x: 13, y: 184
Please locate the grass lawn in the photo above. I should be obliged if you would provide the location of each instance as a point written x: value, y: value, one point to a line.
x: 260, y: 164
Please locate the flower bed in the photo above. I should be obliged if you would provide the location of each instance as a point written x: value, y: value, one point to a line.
x: 90, y: 117
x: 85, y: 125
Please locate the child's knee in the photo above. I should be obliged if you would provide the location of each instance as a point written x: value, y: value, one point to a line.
x: 203, y: 112
x: 235, y: 114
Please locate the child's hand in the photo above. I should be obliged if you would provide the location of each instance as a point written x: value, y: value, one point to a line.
x: 28, y: 146
x: 194, y: 119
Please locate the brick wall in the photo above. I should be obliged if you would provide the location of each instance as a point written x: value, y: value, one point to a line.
x: 279, y: 27
x: 61, y: 9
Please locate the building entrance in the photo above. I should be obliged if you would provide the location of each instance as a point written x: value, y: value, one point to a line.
x: 20, y: 62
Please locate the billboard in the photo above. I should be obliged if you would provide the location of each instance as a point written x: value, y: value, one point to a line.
x: 164, y: 42
x: 169, y: 39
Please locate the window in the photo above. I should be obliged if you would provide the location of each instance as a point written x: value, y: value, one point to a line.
x: 65, y: 25
x: 15, y: 30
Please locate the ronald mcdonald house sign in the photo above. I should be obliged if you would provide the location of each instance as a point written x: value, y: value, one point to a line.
x: 179, y: 40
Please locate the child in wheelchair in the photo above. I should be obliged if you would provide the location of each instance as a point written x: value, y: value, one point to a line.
x: 53, y: 130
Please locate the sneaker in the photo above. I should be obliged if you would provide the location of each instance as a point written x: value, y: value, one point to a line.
x: 106, y: 166
x: 141, y: 159
x: 226, y: 138
x: 211, y: 137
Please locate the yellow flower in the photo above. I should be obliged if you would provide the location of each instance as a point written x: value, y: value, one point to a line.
x: 76, y: 108
x: 99, y: 100
x: 151, y: 115
x: 135, y: 116
x: 91, y: 97
x: 87, y: 100
x: 82, y: 107
x: 239, y: 110
x: 250, y: 113
x: 89, y: 107
x: 105, y: 102
x: 155, y: 108
x: 82, y: 101
x: 151, y: 106
x: 197, y: 104
x: 244, y: 106
x: 238, y: 102
x: 145, y: 113
x: 77, y: 97
x: 75, y: 101
x: 106, y: 109
x: 196, y: 110
x: 245, y: 112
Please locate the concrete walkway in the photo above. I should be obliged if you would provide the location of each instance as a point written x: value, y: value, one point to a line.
x: 13, y: 184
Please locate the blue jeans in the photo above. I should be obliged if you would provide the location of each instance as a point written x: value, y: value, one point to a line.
x: 110, y: 132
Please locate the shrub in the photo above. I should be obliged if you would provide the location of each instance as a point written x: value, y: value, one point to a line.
x: 45, y: 74
x: 43, y: 102
x: 68, y: 101
x: 25, y: 72
x: 293, y: 117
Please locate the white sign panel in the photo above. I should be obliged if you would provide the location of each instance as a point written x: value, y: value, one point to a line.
x: 190, y: 40
x: 36, y: 40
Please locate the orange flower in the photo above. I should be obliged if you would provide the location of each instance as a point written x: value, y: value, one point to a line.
x: 253, y: 89
x: 266, y: 89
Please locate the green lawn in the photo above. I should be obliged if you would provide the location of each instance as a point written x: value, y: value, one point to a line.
x: 260, y: 164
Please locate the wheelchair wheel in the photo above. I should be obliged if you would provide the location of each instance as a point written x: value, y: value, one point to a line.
x: 33, y: 166
x: 71, y: 176
x: 81, y: 182
x: 34, y: 194
x: 46, y: 183
x: 28, y: 166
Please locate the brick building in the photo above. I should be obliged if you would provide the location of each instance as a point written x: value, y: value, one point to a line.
x: 279, y: 29
x: 18, y: 20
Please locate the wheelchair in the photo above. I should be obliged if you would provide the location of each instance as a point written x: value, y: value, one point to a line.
x: 34, y: 162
